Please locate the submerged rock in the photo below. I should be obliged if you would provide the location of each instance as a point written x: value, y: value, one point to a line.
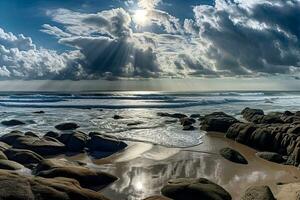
x: 194, y: 189
x: 67, y: 126
x: 258, y: 193
x: 271, y: 156
x: 39, y: 112
x: 12, y: 122
x: 175, y: 115
x: 217, y: 121
x: 233, y: 156
x: 37, y: 188
x: 118, y: 117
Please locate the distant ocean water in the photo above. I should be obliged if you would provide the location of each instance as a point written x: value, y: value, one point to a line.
x: 93, y: 111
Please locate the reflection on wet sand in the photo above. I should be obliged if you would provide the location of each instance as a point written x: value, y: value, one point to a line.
x: 145, y: 173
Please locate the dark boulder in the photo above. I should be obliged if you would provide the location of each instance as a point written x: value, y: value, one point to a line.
x: 117, y: 117
x: 23, y: 156
x: 39, y: 112
x: 258, y: 193
x: 187, y: 121
x: 249, y: 114
x: 233, y: 156
x: 67, y: 126
x: 218, y: 121
x: 271, y: 156
x: 194, y: 189
x: 12, y: 122
x: 101, y: 143
x: 29, y: 133
x: 52, y: 134
x: 4, y: 146
x: 77, y: 142
x: 240, y: 132
x: 175, y: 115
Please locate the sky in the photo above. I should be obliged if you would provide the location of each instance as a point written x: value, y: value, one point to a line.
x: 150, y: 44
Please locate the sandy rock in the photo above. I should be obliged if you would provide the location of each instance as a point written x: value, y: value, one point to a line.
x: 258, y: 193
x: 42, y: 146
x: 233, y: 156
x: 194, y: 189
x: 12, y: 122
x: 23, y: 156
x: 10, y: 165
x: 37, y: 188
x: 217, y: 121
x: 289, y: 191
x: 86, y: 177
x: 271, y: 156
x: 67, y: 126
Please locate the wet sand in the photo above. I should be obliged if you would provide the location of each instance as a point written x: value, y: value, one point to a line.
x: 143, y: 169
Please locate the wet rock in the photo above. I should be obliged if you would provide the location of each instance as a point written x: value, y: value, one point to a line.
x: 175, y: 115
x: 295, y: 130
x: 249, y: 114
x: 218, y: 121
x: 258, y: 193
x: 67, y: 126
x: 262, y: 138
x: 42, y: 146
x: 240, y: 132
x: 289, y: 191
x: 195, y: 116
x: 86, y: 177
x: 10, y: 165
x: 29, y: 133
x: 52, y: 134
x: 271, y: 156
x: 187, y: 121
x: 47, y: 164
x: 188, y: 128
x: 39, y: 112
x: 77, y: 142
x: 258, y: 116
x: 23, y: 156
x: 117, y: 117
x: 135, y: 123
x: 11, y: 137
x: 12, y: 122
x: 233, y: 156
x: 37, y: 188
x: 101, y: 143
x: 194, y: 189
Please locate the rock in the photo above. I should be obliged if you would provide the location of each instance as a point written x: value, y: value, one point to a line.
x: 10, y: 138
x: 52, y: 134
x: 258, y: 116
x: 18, y: 187
x: 175, y: 115
x: 262, y: 138
x: 42, y: 146
x: 29, y: 133
x: 194, y: 189
x: 258, y: 193
x: 135, y: 123
x: 2, y: 156
x: 77, y: 142
x: 10, y: 165
x: 271, y: 156
x: 12, y: 122
x: 249, y: 113
x: 39, y: 112
x: 23, y: 156
x: 188, y: 128
x: 86, y: 177
x: 217, y: 121
x: 118, y: 117
x: 67, y: 126
x: 295, y: 130
x: 233, y: 156
x: 47, y: 164
x: 240, y: 132
x: 289, y: 191
x: 4, y: 146
x: 157, y: 198
x: 101, y: 143
x: 195, y: 116
x: 187, y: 121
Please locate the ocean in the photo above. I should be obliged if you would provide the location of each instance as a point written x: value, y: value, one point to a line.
x: 94, y: 111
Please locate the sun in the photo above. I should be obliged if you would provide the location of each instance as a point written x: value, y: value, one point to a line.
x: 140, y: 17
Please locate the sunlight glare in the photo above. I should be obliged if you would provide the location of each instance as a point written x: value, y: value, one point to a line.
x: 140, y: 17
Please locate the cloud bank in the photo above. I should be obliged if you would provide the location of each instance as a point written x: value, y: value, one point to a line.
x: 230, y: 39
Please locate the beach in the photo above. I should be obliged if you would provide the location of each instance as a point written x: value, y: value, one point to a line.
x: 132, y: 149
